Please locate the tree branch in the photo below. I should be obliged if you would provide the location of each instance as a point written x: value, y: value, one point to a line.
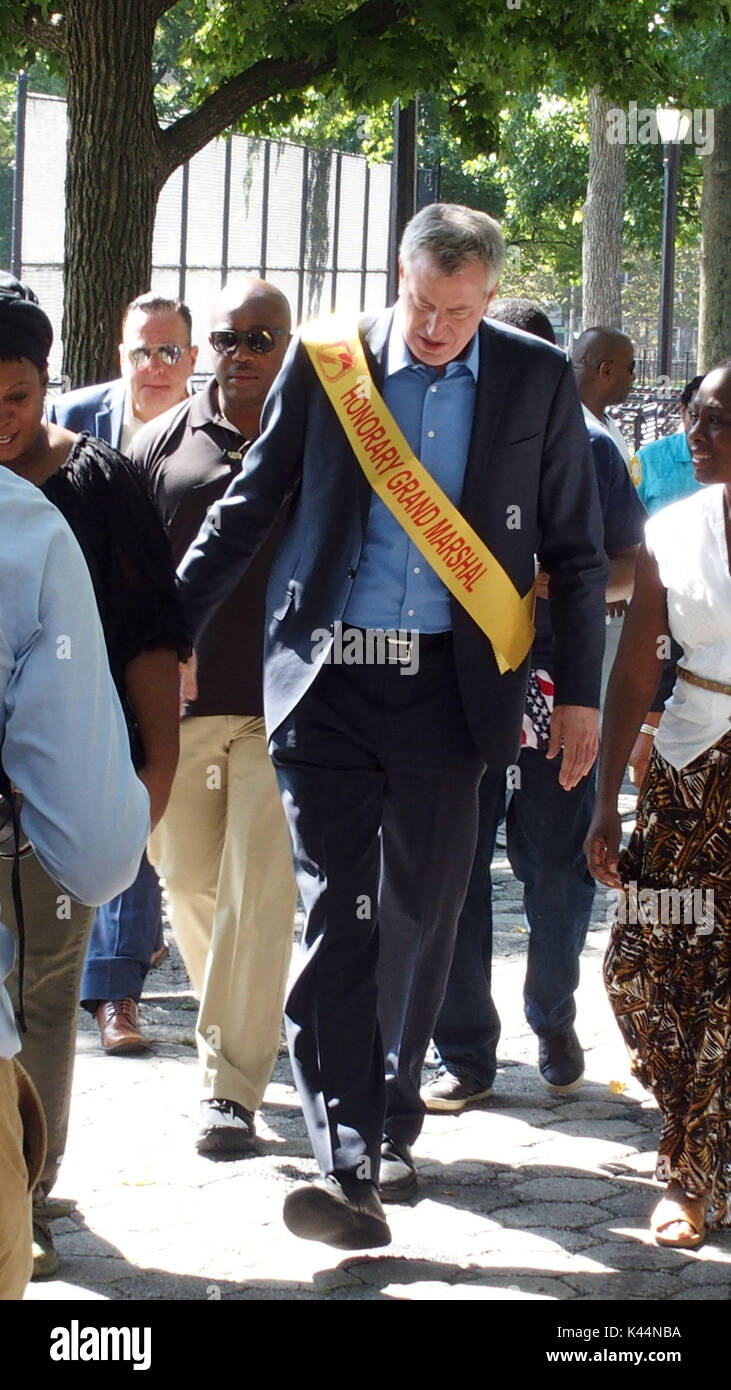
x: 41, y: 32
x: 161, y: 7
x: 265, y: 79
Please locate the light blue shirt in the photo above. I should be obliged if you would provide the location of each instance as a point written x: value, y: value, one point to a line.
x: 394, y: 585
x: 666, y: 472
x: 64, y: 740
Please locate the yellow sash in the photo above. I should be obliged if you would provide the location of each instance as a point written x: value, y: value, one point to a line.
x: 455, y: 552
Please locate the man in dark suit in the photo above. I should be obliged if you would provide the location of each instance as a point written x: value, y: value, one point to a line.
x: 379, y: 770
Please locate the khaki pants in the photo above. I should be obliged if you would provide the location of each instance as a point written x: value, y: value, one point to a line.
x: 22, y: 1147
x: 56, y: 935
x: 222, y: 849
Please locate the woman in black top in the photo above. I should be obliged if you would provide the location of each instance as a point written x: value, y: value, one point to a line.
x: 107, y: 505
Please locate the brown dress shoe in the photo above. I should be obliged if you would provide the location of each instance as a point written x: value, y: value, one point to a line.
x: 120, y: 1033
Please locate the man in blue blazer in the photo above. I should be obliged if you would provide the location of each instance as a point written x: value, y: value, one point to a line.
x: 156, y: 359
x: 378, y: 769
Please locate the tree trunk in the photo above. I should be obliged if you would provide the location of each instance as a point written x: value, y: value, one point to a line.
x: 114, y: 173
x: 714, y: 318
x: 601, y: 254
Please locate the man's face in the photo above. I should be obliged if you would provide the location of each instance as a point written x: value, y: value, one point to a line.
x: 153, y: 384
x: 620, y: 374
x: 244, y: 376
x: 441, y: 312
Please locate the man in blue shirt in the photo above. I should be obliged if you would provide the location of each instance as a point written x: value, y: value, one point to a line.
x: 65, y: 747
x: 378, y: 770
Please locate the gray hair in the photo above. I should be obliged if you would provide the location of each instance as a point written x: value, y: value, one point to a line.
x: 453, y: 234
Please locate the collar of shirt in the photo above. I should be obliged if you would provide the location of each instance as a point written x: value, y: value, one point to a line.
x: 129, y: 418
x: 130, y: 424
x: 205, y: 410
x: 400, y: 357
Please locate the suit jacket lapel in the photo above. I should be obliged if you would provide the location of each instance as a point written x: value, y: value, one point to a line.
x: 489, y: 404
x: 375, y: 341
x: 110, y: 416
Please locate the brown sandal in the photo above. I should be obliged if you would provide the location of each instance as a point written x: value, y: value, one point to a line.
x: 685, y: 1211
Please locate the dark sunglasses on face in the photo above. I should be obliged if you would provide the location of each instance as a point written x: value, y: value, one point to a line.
x: 259, y: 340
x: 169, y: 353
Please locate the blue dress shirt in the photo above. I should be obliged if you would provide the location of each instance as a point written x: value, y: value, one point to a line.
x: 63, y: 735
x: 394, y: 585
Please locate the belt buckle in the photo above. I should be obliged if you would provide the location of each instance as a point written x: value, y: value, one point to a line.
x: 397, y: 655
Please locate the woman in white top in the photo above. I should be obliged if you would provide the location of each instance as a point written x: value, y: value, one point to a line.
x: 668, y: 966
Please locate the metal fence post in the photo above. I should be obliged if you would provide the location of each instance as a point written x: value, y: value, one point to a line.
x: 303, y: 233
x: 16, y: 245
x: 364, y: 243
x: 226, y: 210
x: 336, y: 230
x: 183, y: 231
x: 264, y: 212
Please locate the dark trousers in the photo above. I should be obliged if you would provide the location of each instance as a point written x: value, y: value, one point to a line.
x: 125, y: 933
x: 546, y: 827
x: 378, y: 775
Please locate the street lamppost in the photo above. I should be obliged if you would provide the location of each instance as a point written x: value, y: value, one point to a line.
x: 673, y: 124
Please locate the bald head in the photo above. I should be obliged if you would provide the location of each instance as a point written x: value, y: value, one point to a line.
x: 250, y: 332
x: 604, y: 362
x: 249, y: 291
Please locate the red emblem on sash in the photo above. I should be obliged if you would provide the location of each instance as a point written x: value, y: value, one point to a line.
x: 335, y: 359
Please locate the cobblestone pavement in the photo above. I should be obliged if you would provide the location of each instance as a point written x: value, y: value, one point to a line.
x: 528, y: 1197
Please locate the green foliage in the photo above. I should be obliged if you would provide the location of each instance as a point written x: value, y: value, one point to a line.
x: 477, y: 54
x: 640, y: 296
x: 172, y: 79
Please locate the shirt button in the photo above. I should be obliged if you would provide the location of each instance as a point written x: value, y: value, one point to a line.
x: 417, y: 569
x: 430, y: 433
x: 410, y: 613
x: 432, y: 389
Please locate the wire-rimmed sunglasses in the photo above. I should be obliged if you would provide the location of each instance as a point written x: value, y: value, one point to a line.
x: 169, y: 353
x: 259, y: 340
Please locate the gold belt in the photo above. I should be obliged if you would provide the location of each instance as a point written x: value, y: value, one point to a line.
x: 720, y: 687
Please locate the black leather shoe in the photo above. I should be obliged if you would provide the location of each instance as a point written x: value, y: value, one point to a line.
x: 323, y: 1210
x: 561, y: 1062
x: 398, y: 1181
x: 225, y: 1128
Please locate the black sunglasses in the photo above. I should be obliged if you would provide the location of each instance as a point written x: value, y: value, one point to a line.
x: 258, y: 340
x: 169, y: 353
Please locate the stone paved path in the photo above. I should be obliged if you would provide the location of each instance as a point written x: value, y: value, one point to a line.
x: 526, y: 1198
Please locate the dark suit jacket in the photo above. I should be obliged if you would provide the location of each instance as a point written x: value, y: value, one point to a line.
x: 529, y: 450
x: 98, y: 409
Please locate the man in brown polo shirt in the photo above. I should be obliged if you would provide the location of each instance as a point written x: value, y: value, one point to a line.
x: 222, y: 846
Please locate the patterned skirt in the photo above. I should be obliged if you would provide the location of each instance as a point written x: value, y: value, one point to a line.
x: 668, y: 967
